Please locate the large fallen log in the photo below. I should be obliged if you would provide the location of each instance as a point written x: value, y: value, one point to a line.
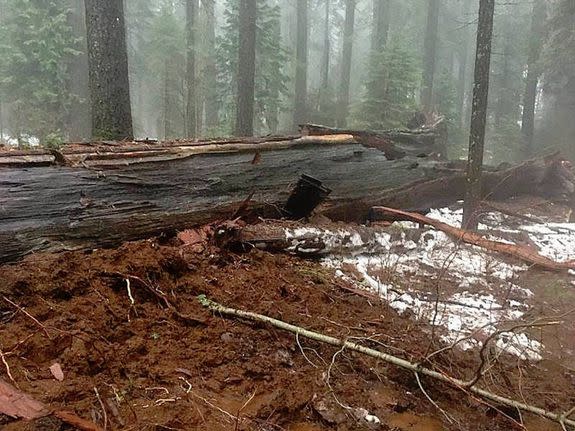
x: 550, y: 177
x: 110, y: 154
x: 103, y: 196
x: 394, y: 143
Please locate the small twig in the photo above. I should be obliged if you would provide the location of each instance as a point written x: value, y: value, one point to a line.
x: 302, y: 352
x: 103, y: 408
x: 132, y: 301
x: 36, y: 321
x: 5, y: 362
x: 565, y: 416
x: 228, y: 414
x: 481, y: 369
x: 238, y: 416
x: 447, y: 416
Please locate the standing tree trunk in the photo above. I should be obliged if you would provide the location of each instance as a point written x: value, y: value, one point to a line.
x: 343, y: 103
x: 108, y: 65
x: 78, y: 122
x: 322, y: 100
x: 211, y: 95
x: 506, y: 109
x: 463, y: 55
x: 533, y: 75
x: 479, y: 113
x: 191, y: 108
x: 1, y: 95
x: 380, y: 30
x: 300, y: 108
x: 246, y: 68
x: 430, y: 54
x: 326, y: 47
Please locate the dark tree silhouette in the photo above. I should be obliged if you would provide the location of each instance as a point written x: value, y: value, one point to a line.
x: 246, y: 68
x: 300, y: 105
x: 533, y: 75
x: 343, y: 103
x: 430, y: 54
x: 479, y: 113
x: 192, y: 7
x: 108, y: 65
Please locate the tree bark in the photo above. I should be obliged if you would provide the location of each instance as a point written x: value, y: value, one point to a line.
x: 192, y: 7
x: 533, y: 75
x: 211, y: 96
x: 430, y: 54
x: 300, y: 108
x: 479, y: 113
x: 322, y: 100
x: 395, y: 143
x: 119, y: 192
x: 108, y: 65
x: 343, y: 104
x: 463, y: 55
x: 246, y: 68
x: 506, y: 100
x: 380, y: 29
x: 78, y: 122
x: 326, y: 47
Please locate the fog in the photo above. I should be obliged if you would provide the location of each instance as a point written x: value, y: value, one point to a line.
x: 407, y: 56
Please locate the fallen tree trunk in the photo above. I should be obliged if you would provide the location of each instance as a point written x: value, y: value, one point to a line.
x: 395, y: 143
x: 105, y: 155
x: 550, y: 177
x: 109, y: 195
x: 54, y: 208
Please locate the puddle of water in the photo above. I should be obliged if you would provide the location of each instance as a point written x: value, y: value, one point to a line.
x: 411, y: 422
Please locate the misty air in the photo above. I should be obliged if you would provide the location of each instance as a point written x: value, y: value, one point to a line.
x: 295, y: 215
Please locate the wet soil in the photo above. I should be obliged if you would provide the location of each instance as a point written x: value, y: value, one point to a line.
x: 131, y: 362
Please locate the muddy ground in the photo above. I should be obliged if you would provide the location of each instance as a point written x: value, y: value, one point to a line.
x: 144, y: 366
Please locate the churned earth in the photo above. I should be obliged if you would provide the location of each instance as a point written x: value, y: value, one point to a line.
x: 139, y: 352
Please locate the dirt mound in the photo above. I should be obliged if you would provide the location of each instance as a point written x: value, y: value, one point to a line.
x: 136, y: 362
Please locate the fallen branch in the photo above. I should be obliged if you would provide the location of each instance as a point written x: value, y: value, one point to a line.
x: 523, y: 253
x: 394, y: 360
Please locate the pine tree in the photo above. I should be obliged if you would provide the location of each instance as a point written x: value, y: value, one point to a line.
x: 108, y: 63
x: 479, y: 113
x: 166, y: 53
x: 389, y: 97
x: 346, y: 59
x: 300, y: 103
x: 210, y: 90
x: 37, y: 44
x: 559, y: 80
x: 192, y: 13
x: 430, y: 54
x: 271, y: 80
x: 539, y: 15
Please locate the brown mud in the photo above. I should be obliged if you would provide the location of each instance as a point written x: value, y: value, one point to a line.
x: 144, y: 366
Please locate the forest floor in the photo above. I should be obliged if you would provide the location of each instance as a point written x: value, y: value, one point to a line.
x: 130, y: 362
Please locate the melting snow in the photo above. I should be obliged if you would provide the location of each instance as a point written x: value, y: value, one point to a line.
x: 385, y: 261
